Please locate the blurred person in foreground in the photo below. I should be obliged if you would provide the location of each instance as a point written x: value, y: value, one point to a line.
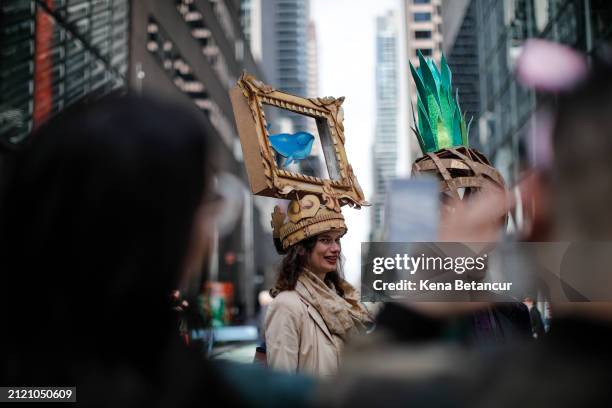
x: 570, y: 365
x: 106, y: 213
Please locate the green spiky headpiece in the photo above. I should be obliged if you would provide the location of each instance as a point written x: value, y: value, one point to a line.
x: 441, y: 124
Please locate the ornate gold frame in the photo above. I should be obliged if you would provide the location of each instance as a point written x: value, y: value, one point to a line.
x: 248, y: 97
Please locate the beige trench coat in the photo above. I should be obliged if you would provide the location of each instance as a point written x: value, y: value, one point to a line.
x: 297, y: 339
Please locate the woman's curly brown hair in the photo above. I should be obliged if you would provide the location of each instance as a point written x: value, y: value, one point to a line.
x: 293, y: 264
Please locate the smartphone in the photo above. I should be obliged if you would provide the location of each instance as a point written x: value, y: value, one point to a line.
x: 412, y: 210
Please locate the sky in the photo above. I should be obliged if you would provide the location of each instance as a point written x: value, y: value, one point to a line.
x: 346, y: 34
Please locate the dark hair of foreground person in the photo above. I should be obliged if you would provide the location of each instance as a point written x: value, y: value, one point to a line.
x: 95, y: 231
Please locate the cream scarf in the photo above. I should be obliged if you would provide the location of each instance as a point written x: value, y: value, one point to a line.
x: 343, y: 316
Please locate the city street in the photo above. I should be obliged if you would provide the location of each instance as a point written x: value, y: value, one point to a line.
x: 220, y: 200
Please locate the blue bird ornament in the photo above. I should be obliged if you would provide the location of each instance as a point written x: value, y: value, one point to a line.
x: 293, y: 147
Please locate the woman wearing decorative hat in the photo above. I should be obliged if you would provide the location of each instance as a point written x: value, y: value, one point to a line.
x: 314, y: 309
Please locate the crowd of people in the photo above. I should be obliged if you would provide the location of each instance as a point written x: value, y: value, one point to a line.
x: 108, y: 211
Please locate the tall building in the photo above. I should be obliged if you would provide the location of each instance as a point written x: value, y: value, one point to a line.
x: 501, y: 27
x: 54, y: 53
x: 312, y: 59
x: 423, y: 28
x: 279, y: 32
x: 422, y: 32
x: 192, y: 52
x: 385, y: 137
x: 460, y: 45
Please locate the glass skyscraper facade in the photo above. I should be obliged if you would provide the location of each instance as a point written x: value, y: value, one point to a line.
x: 385, y: 136
x: 54, y: 53
x: 492, y: 33
x: 278, y: 32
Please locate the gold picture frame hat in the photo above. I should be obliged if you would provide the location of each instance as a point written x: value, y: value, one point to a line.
x: 316, y: 199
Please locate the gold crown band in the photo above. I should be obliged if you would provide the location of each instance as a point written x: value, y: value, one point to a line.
x: 306, y: 218
x: 290, y: 228
x: 311, y: 227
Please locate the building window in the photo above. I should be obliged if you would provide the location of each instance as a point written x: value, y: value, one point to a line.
x: 422, y: 34
x: 422, y: 1
x: 425, y: 51
x: 180, y: 72
x: 201, y: 32
x: 54, y: 56
x: 419, y: 17
x: 224, y: 17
